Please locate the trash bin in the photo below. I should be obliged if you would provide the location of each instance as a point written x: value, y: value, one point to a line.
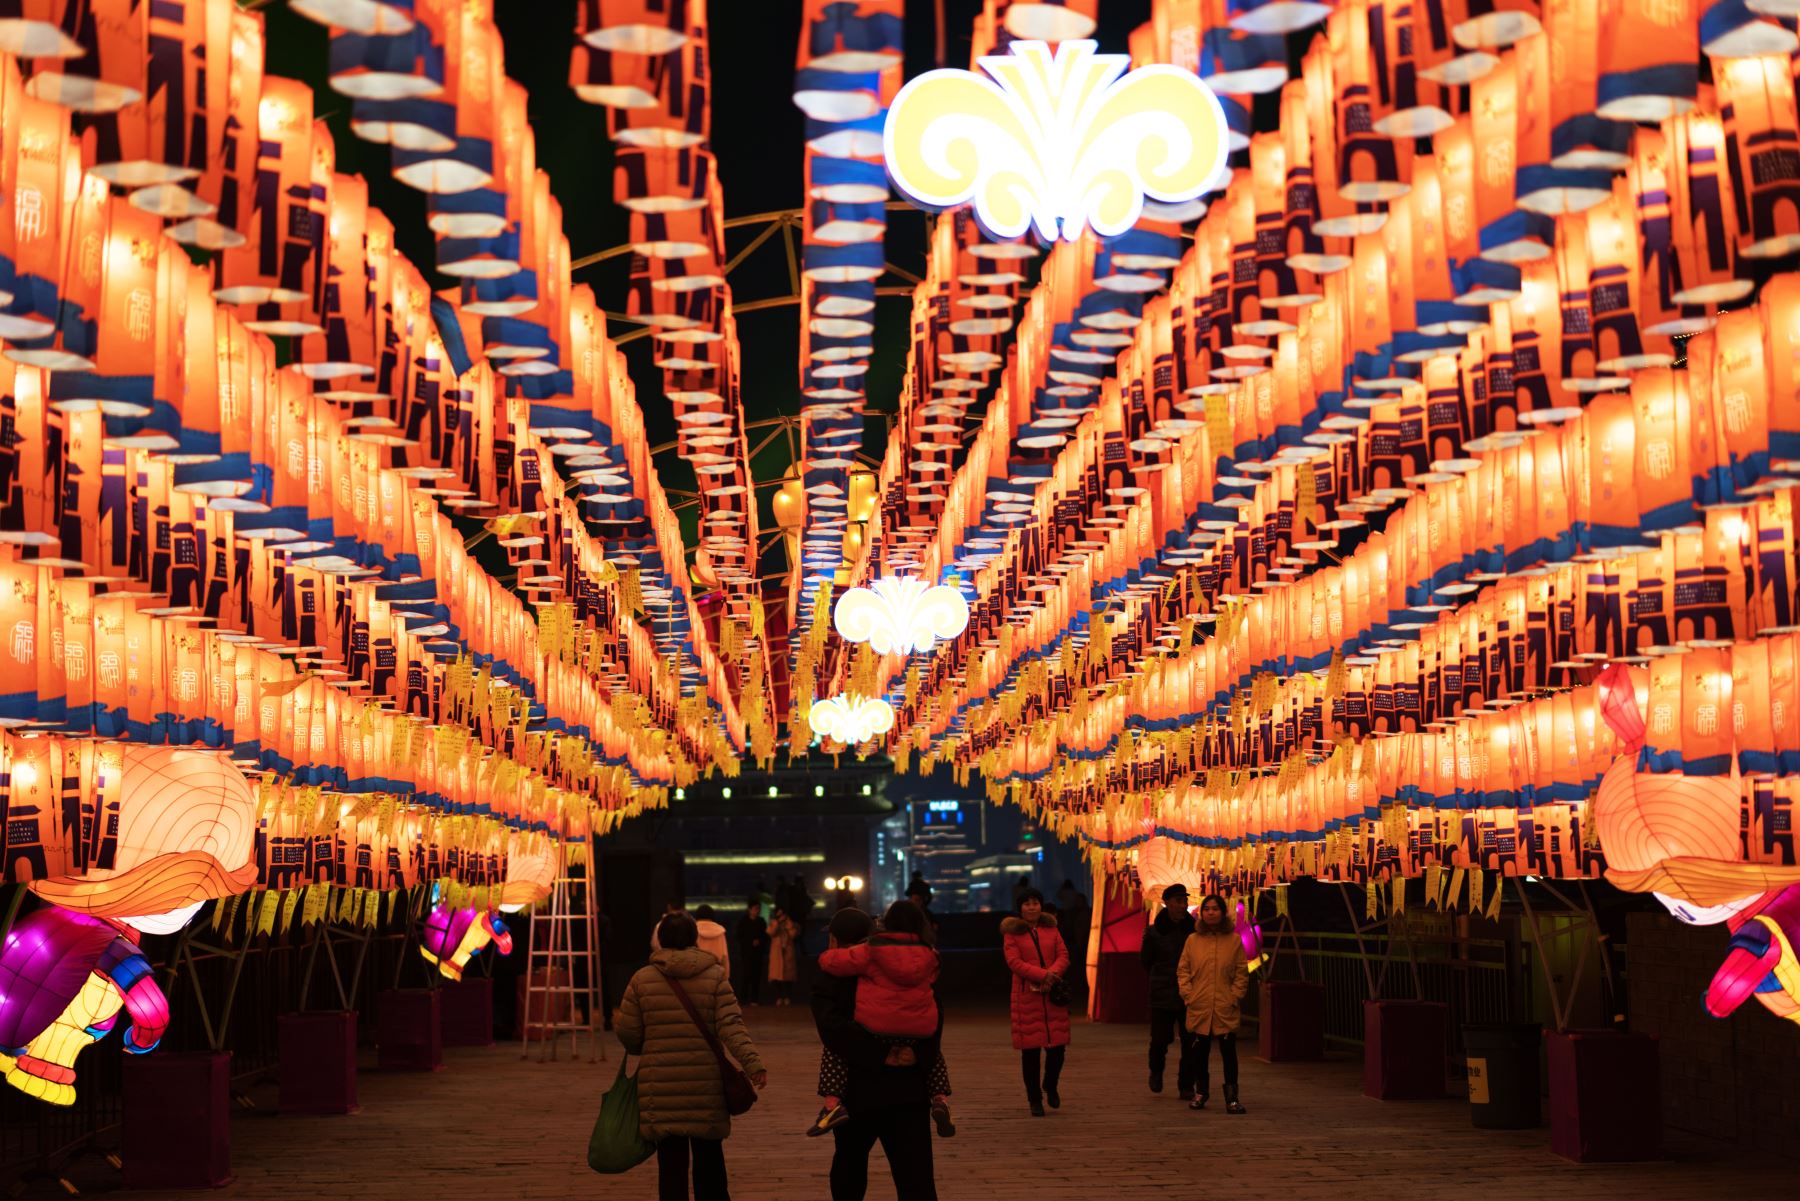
x: 1504, y: 1077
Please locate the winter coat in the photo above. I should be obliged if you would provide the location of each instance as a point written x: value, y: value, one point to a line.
x: 897, y: 972
x: 1213, y: 976
x: 680, y: 1092
x: 712, y: 941
x: 784, y: 957
x: 870, y: 1082
x: 1035, y: 1021
x: 753, y: 936
x: 1164, y: 941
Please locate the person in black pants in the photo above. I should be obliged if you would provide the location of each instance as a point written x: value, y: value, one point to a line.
x: 887, y: 1090
x: 1160, y: 953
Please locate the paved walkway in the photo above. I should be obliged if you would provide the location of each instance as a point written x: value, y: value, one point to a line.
x: 493, y: 1127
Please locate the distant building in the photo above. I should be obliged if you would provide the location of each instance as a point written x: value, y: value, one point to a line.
x: 991, y: 880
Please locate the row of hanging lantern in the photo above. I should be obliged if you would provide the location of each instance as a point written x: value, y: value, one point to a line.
x: 291, y: 517
x: 648, y: 65
x: 1663, y: 459
x: 1486, y: 327
x: 207, y: 548
x: 436, y: 90
x: 847, y: 70
x: 156, y: 439
x: 963, y: 317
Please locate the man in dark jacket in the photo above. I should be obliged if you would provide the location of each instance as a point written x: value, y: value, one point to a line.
x: 1160, y: 955
x: 889, y: 1101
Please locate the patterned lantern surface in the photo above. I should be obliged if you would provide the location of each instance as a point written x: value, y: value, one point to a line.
x: 63, y: 979
x: 453, y: 935
x: 176, y: 827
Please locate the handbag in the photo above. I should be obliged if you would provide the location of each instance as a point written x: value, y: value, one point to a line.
x: 1058, y: 993
x: 740, y: 1094
x: 615, y: 1146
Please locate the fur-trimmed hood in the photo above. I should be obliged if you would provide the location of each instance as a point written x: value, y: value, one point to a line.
x: 1016, y: 925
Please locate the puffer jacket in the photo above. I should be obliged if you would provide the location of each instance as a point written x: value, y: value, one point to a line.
x: 679, y: 1088
x: 1035, y: 1021
x: 712, y: 941
x: 1214, y: 977
x: 1161, y: 951
x: 897, y: 972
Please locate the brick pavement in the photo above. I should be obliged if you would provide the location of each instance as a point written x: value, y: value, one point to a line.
x: 493, y: 1125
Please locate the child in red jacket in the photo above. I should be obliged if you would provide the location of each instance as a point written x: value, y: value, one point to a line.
x: 895, y: 1000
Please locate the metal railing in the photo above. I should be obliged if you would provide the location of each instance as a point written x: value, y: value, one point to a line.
x: 1480, y: 980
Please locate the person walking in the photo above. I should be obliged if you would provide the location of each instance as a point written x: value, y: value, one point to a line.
x: 712, y: 937
x: 1213, y: 977
x: 886, y: 1088
x: 753, y: 952
x: 681, y: 1097
x: 784, y: 957
x: 1160, y: 954
x: 1040, y: 1015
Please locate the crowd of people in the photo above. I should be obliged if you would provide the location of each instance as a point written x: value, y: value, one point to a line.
x: 883, y: 1078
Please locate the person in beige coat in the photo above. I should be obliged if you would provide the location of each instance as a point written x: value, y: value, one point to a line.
x: 681, y: 1096
x: 1213, y: 976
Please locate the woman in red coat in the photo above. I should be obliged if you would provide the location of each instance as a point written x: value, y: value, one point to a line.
x: 1039, y: 961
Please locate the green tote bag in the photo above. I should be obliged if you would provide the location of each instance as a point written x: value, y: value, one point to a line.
x: 615, y: 1145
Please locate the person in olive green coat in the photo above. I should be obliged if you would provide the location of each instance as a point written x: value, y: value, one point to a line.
x: 1213, y: 976
x: 681, y: 1096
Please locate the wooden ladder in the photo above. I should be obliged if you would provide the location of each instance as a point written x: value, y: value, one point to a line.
x: 562, y: 971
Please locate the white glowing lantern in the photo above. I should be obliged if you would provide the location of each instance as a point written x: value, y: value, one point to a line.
x: 899, y: 615
x: 851, y: 719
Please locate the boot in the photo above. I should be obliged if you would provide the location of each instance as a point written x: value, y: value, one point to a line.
x: 1231, y: 1100
x: 1037, y: 1107
x: 1199, y: 1101
x: 1156, y: 1080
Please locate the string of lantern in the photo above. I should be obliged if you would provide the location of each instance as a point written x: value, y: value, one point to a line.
x: 649, y: 67
x: 847, y: 72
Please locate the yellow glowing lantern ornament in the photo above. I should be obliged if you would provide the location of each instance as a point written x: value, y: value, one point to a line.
x: 1059, y: 141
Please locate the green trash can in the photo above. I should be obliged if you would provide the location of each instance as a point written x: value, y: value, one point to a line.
x: 1504, y: 1075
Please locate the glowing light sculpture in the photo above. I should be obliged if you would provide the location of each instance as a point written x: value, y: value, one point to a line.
x: 1060, y: 142
x: 1676, y: 837
x: 453, y: 936
x: 851, y: 719
x: 186, y: 830
x: 63, y: 979
x: 898, y: 615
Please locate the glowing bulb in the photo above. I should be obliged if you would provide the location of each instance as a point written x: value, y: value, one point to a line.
x: 725, y: 792
x: 772, y: 791
x: 866, y: 790
x: 818, y: 790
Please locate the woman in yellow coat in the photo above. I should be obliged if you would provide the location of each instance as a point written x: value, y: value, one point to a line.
x: 1213, y: 977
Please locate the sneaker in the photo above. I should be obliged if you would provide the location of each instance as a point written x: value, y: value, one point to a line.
x: 1053, y: 1097
x: 1037, y: 1108
x: 837, y: 1115
x: 940, y: 1113
x: 1156, y: 1080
